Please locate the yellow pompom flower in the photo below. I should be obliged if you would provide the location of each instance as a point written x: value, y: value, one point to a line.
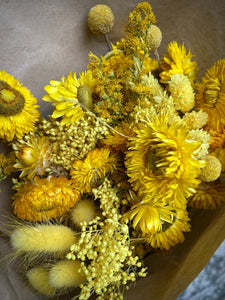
x: 161, y: 161
x: 89, y: 172
x: 18, y: 109
x: 213, y: 169
x: 209, y: 195
x: 100, y: 19
x: 210, y: 98
x: 69, y: 94
x: 177, y: 61
x: 154, y: 37
x: 182, y: 92
x: 84, y: 211
x: 195, y: 119
x: 44, y: 198
x: 33, y: 157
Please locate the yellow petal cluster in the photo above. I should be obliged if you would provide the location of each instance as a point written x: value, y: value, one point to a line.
x: 18, y: 109
x: 44, y: 198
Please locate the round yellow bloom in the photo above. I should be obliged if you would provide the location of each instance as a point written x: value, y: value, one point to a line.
x: 44, y: 199
x: 177, y: 61
x: 220, y: 154
x: 161, y: 161
x: 210, y: 98
x: 100, y: 19
x: 195, y: 120
x: 84, y: 211
x: 33, y: 157
x: 154, y: 37
x: 89, y: 173
x: 69, y: 94
x: 213, y: 169
x: 182, y: 92
x: 208, y: 196
x: 18, y: 109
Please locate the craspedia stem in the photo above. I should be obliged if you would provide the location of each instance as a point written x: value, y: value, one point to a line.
x: 108, y: 42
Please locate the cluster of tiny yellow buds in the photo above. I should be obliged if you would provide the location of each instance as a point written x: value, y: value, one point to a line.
x: 195, y: 120
x: 202, y: 136
x: 6, y: 164
x: 105, y: 243
x: 72, y: 142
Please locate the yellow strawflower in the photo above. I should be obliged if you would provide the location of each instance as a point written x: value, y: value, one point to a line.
x: 88, y: 173
x: 33, y: 157
x: 69, y: 94
x: 177, y: 61
x: 209, y: 195
x: 44, y: 198
x: 161, y: 161
x: 100, y: 19
x: 18, y: 109
x: 210, y: 98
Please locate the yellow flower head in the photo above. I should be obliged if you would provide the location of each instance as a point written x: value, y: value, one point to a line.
x: 177, y: 61
x: 44, y: 199
x: 89, y: 172
x: 182, y: 92
x: 161, y: 161
x: 69, y: 94
x: 209, y: 195
x: 100, y: 19
x: 33, y: 157
x: 18, y: 109
x: 195, y: 120
x: 154, y: 37
x: 211, y: 98
x: 213, y: 169
x: 6, y: 164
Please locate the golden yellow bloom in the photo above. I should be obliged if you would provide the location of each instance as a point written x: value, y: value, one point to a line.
x: 172, y: 234
x: 161, y: 161
x: 213, y: 169
x: 33, y: 157
x: 100, y: 19
x: 44, y: 199
x: 18, y: 109
x: 68, y: 94
x: 182, y: 92
x: 89, y: 172
x: 211, y: 99
x: 177, y: 61
x: 208, y: 196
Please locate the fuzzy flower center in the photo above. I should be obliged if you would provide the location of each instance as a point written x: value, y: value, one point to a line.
x: 11, y: 100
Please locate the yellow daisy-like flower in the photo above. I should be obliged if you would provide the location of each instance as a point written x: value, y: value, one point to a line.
x: 209, y: 195
x: 18, y: 109
x: 177, y: 61
x: 161, y: 161
x: 44, y: 199
x: 89, y: 172
x: 33, y: 157
x: 69, y: 94
x: 211, y: 98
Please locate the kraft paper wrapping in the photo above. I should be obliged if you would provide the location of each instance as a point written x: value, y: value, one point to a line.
x: 44, y: 40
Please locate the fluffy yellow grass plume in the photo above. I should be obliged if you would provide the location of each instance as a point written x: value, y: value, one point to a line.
x: 38, y: 278
x: 65, y: 274
x: 52, y: 239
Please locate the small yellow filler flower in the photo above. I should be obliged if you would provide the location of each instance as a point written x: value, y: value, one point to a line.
x: 44, y: 198
x: 18, y: 109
